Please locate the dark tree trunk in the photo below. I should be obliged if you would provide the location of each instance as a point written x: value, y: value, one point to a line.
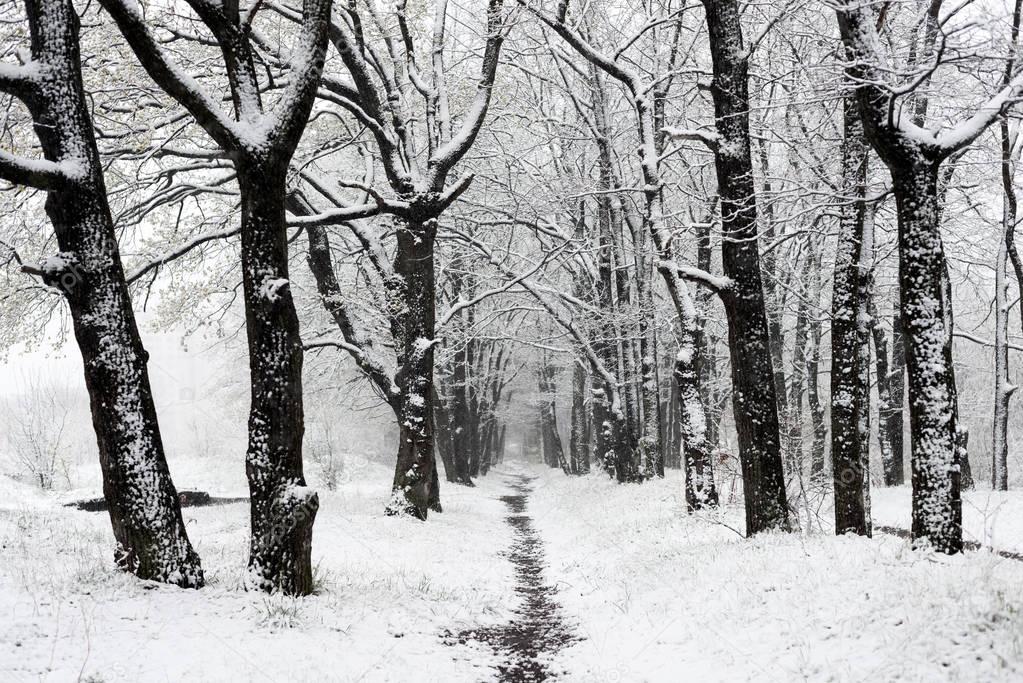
x: 673, y: 436
x: 501, y: 443
x: 926, y: 317
x: 884, y: 397
x: 924, y: 305
x: 895, y: 421
x: 579, y: 462
x: 797, y: 385
x: 143, y: 504
x: 850, y: 375
x: 813, y: 356
x: 442, y: 433
x: 554, y: 451
x: 412, y: 490
x: 282, y: 507
x: 754, y: 398
x: 966, y: 480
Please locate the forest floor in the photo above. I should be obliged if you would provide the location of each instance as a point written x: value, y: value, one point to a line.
x: 528, y: 575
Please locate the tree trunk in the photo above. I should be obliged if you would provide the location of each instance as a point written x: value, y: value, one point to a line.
x: 754, y: 397
x: 895, y: 422
x: 850, y: 374
x: 813, y: 356
x: 442, y: 432
x: 797, y: 383
x: 884, y: 397
x: 141, y: 499
x: 696, y: 450
x: 926, y: 317
x: 283, y: 508
x: 414, y: 338
x: 579, y: 462
x: 1003, y: 387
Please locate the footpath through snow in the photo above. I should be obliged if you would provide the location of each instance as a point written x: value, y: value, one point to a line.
x: 538, y: 631
x: 579, y: 579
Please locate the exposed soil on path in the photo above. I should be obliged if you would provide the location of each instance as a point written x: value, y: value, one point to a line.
x: 537, y: 631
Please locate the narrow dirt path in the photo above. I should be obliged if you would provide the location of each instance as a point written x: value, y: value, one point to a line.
x: 537, y: 631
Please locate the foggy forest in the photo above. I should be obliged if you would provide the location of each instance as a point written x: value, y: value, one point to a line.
x: 510, y: 340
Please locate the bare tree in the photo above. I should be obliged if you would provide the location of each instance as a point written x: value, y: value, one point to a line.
x: 142, y: 502
x: 261, y: 142
x: 914, y: 155
x: 380, y: 96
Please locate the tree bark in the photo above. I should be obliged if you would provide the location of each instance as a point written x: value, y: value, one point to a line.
x: 145, y: 513
x: 579, y: 462
x: 850, y: 376
x: 1004, y: 389
x: 926, y: 317
x: 414, y: 337
x: 924, y: 306
x: 754, y: 396
x: 283, y: 508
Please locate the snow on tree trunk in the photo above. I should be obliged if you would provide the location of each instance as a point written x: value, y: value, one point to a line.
x: 754, y: 396
x: 649, y: 443
x: 913, y: 155
x: 894, y: 425
x: 414, y: 322
x: 793, y: 424
x: 282, y: 507
x: 579, y: 462
x: 1003, y: 387
x: 260, y: 145
x: 850, y: 376
x: 143, y: 504
x: 696, y: 449
x: 937, y: 508
x: 818, y: 448
x: 884, y: 400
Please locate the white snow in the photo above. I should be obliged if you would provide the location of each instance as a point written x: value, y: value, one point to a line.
x: 653, y: 593
x: 387, y: 591
x: 661, y: 596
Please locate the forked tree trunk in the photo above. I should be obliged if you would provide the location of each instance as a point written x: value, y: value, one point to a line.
x: 141, y: 499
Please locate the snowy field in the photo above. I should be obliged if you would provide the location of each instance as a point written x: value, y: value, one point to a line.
x: 650, y: 593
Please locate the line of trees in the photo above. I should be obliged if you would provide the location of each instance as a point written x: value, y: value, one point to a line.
x: 642, y: 215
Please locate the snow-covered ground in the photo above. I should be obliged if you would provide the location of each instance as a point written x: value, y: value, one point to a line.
x: 653, y: 594
x: 387, y: 589
x: 660, y: 596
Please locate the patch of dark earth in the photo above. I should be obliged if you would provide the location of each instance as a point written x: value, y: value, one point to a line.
x: 537, y: 630
x: 186, y: 498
